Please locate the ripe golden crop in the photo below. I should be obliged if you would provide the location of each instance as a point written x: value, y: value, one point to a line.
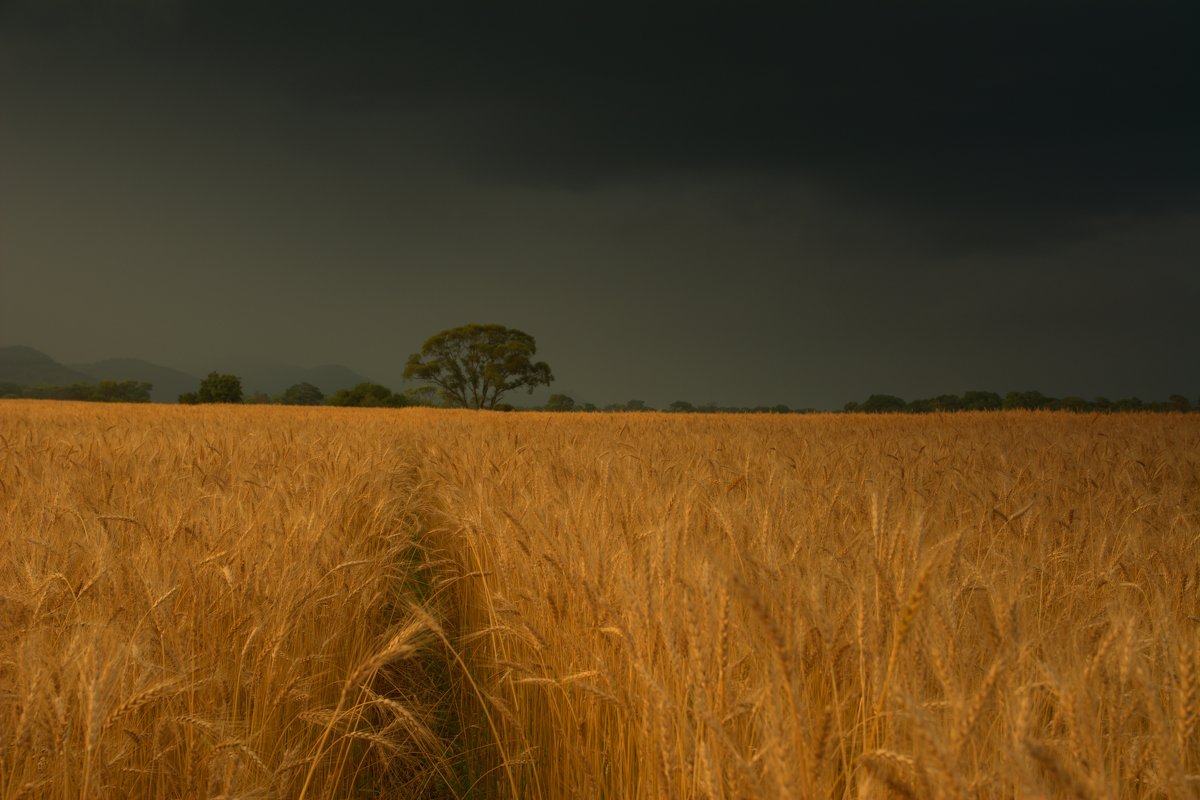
x: 283, y: 602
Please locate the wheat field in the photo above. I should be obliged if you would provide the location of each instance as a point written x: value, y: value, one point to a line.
x: 276, y: 602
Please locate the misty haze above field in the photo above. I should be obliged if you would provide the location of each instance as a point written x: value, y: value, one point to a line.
x: 759, y: 203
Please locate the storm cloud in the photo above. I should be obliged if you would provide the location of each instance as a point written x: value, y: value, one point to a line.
x: 792, y: 202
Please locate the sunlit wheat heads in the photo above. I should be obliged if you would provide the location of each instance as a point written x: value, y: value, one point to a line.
x: 288, y: 602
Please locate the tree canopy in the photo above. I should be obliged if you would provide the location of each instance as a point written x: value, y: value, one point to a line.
x: 101, y: 392
x: 560, y: 402
x: 215, y: 388
x: 476, y: 365
x: 366, y: 395
x: 302, y: 394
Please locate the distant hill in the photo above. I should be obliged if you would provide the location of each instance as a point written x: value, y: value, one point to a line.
x: 29, y: 367
x: 168, y: 383
x: 275, y: 378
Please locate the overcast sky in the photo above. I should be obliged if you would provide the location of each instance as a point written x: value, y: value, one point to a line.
x: 746, y: 203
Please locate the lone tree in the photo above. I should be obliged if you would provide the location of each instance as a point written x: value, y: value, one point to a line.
x: 475, y: 365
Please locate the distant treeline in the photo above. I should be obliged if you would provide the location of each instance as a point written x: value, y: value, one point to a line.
x: 218, y: 388
x: 1030, y: 400
x: 561, y: 402
x: 890, y: 404
x: 100, y: 392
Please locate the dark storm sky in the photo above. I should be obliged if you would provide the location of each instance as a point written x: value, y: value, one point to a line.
x: 745, y: 203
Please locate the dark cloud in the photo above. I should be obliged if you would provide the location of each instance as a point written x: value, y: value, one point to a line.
x: 924, y: 191
x: 1059, y: 111
x: 978, y: 121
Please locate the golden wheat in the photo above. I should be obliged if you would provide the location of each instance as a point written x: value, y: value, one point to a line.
x: 962, y: 605
x: 280, y: 602
x: 207, y: 602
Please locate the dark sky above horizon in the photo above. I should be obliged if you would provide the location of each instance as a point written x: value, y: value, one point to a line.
x: 797, y: 202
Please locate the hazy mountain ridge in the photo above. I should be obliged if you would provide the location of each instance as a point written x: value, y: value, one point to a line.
x: 29, y: 367
x: 168, y: 382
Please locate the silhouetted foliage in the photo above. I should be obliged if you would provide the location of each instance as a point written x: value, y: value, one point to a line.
x: 560, y: 402
x: 429, y: 396
x: 302, y: 394
x: 366, y: 395
x: 476, y: 365
x: 215, y: 388
x: 1026, y: 400
x: 882, y: 403
x: 1129, y: 404
x: 981, y: 401
x: 1178, y: 402
x: 1029, y: 400
x: 943, y: 402
x: 101, y: 392
x: 685, y: 407
x: 1072, y: 403
x: 628, y: 405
